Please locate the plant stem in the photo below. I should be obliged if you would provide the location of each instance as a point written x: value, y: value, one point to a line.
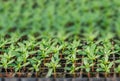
x: 93, y: 68
x: 61, y: 56
x: 106, y: 74
x: 11, y: 69
x: 36, y: 74
x: 54, y: 72
x: 44, y: 61
x: 74, y: 67
x: 19, y: 74
x: 74, y: 74
x: 97, y: 74
x: 6, y: 72
x: 81, y: 68
x: 88, y: 74
x: 113, y: 58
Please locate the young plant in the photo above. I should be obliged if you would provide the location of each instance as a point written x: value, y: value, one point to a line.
x: 23, y: 52
x: 44, y: 51
x: 90, y: 34
x: 55, y: 48
x: 91, y: 52
x: 87, y: 64
x: 117, y: 69
x: 31, y: 44
x: 18, y: 65
x: 7, y: 59
x: 3, y: 42
x: 35, y: 65
x: 106, y: 49
x: 63, y: 49
x: 5, y: 63
x: 71, y: 58
x: 53, y: 64
x: 105, y: 65
x: 61, y: 35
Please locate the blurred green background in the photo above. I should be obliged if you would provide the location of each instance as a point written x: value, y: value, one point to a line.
x: 79, y: 19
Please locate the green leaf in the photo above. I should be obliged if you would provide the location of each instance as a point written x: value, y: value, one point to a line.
x: 25, y: 64
x: 49, y: 73
x: 87, y: 69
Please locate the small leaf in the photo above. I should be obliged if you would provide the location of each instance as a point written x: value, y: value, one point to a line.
x: 49, y: 73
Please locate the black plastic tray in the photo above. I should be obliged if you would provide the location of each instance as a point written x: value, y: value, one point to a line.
x: 60, y: 79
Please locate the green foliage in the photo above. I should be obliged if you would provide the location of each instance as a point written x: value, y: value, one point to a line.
x: 35, y: 64
x: 85, y: 32
x: 86, y: 65
x: 53, y: 64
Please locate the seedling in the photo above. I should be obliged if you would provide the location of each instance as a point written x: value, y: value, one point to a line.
x: 3, y: 42
x: 87, y: 65
x: 89, y: 35
x: 105, y: 65
x: 18, y: 65
x: 54, y: 63
x: 44, y: 50
x: 91, y: 52
x: 35, y: 65
x: 7, y: 60
x: 117, y: 69
x: 71, y: 58
x: 23, y: 52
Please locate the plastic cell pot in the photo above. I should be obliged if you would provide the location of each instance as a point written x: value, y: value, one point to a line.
x: 117, y: 79
x: 55, y: 79
x: 45, y: 79
x: 28, y: 79
x: 97, y: 79
x: 63, y: 79
x: 10, y: 79
x: 112, y: 79
x: 80, y: 79
x: 59, y: 79
x: 67, y: 79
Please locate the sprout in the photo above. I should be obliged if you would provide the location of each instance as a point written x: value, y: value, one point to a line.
x: 52, y: 65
